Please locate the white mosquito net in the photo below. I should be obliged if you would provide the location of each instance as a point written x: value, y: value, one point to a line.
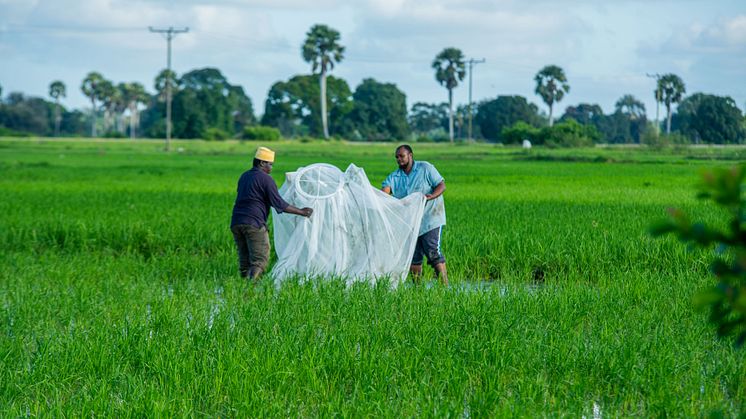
x: 356, y: 231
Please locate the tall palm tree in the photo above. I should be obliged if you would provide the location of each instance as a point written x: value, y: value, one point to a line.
x: 133, y: 95
x: 670, y: 90
x: 634, y: 111
x: 551, y: 85
x: 629, y: 105
x: 57, y: 90
x: 449, y: 69
x: 322, y: 50
x: 90, y: 88
x: 120, y: 106
x: 109, y: 97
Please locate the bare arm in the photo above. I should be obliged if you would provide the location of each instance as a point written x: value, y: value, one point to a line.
x: 305, y: 212
x: 438, y: 191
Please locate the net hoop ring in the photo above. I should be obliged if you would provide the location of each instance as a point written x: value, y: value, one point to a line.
x: 312, y: 174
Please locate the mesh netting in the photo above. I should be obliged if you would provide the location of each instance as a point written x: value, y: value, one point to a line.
x: 356, y: 231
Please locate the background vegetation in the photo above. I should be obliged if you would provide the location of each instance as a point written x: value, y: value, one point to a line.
x: 206, y: 105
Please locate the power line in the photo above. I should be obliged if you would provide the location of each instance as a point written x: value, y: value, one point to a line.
x: 14, y: 28
x: 170, y: 34
x: 472, y: 62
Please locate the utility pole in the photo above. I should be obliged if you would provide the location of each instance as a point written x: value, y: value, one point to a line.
x: 657, y: 78
x: 170, y: 33
x: 471, y: 63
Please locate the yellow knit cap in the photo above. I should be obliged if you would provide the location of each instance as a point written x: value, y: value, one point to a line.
x: 265, y: 154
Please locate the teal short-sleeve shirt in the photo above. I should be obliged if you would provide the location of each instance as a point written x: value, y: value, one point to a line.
x: 424, y: 177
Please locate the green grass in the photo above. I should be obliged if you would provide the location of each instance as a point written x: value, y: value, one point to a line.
x: 119, y: 292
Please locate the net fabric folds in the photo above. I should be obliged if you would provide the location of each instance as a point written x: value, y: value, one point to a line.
x: 356, y: 232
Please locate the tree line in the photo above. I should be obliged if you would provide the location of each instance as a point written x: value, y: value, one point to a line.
x: 206, y: 105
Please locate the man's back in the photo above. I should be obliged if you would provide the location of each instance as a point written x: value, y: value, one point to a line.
x: 255, y: 193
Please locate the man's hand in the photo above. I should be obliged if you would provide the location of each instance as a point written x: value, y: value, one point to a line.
x: 303, y: 212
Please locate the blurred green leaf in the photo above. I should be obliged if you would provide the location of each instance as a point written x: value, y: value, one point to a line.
x: 661, y: 227
x: 727, y: 299
x: 708, y: 297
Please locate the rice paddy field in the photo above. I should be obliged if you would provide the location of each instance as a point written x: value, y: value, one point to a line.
x: 120, y: 294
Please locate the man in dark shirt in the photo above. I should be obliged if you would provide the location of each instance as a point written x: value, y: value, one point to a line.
x: 257, y: 192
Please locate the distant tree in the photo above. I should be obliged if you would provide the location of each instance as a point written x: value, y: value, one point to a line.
x: 630, y: 105
x: 294, y: 108
x: 615, y: 128
x: 119, y: 109
x: 90, y: 88
x: 379, y: 111
x: 461, y: 118
x: 134, y: 94
x: 634, y: 111
x: 161, y: 81
x: 584, y: 113
x: 154, y: 117
x: 110, y: 97
x: 710, y: 119
x: 424, y: 118
x: 504, y: 111
x: 322, y: 50
x: 449, y: 69
x: 551, y: 85
x: 27, y: 114
x: 611, y: 128
x: 205, y: 99
x: 671, y: 90
x: 569, y: 133
x: 520, y: 131
x: 56, y: 91
x: 74, y: 123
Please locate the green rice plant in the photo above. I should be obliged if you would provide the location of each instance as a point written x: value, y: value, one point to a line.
x: 120, y: 296
x: 726, y: 300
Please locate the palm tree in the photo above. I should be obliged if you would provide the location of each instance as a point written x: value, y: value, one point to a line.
x: 629, y: 105
x: 56, y: 91
x: 322, y: 50
x: 449, y: 70
x: 551, y: 85
x: 670, y: 90
x: 90, y: 88
x: 133, y: 95
x: 109, y: 96
x: 634, y: 111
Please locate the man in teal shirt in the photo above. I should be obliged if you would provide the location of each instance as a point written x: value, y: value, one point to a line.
x: 421, y: 176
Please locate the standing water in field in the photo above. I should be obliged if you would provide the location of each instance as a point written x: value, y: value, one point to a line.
x: 356, y: 231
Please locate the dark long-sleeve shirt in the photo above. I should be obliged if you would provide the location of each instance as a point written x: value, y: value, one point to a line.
x: 256, y: 192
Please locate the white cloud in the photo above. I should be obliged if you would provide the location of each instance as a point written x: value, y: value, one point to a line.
x: 257, y: 42
x: 722, y: 36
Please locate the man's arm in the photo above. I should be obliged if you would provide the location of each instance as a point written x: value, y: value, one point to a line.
x: 386, y: 190
x: 438, y: 191
x: 279, y: 204
x: 305, y: 212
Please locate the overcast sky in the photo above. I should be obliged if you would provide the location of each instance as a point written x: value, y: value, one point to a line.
x: 605, y: 47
